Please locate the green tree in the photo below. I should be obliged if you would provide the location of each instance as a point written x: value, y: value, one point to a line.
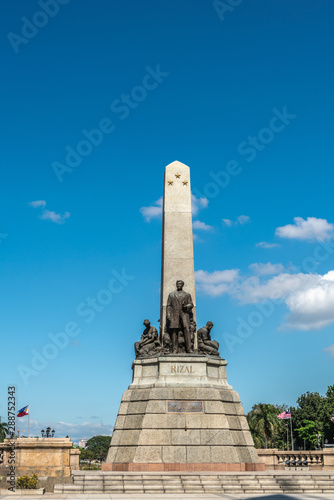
x: 99, y: 445
x: 309, y: 432
x: 328, y: 413
x: 312, y: 407
x: 263, y: 420
x: 256, y: 432
x: 3, y: 431
x: 86, y: 454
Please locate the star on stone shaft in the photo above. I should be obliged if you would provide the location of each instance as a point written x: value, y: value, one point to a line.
x: 170, y: 182
x: 177, y: 176
x: 185, y: 183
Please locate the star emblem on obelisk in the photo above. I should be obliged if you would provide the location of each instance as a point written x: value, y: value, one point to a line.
x: 185, y: 183
x: 170, y: 182
x: 177, y: 176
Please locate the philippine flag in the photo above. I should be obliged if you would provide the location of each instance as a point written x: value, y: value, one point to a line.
x: 23, y: 412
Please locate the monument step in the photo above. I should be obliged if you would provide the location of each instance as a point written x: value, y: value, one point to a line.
x: 269, y: 483
x: 69, y: 487
x: 253, y: 491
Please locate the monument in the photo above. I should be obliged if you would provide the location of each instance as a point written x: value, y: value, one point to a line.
x: 180, y: 413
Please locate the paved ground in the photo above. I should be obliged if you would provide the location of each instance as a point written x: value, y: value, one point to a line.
x: 167, y: 496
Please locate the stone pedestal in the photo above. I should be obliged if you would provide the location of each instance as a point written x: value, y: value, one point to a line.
x: 180, y: 414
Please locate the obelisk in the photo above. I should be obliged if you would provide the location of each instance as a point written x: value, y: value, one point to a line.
x: 177, y: 262
x: 179, y: 413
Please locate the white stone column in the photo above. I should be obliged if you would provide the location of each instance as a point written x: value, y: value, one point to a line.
x: 177, y: 261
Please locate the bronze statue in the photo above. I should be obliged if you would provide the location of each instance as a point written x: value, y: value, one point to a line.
x: 179, y: 306
x: 149, y: 344
x: 205, y: 344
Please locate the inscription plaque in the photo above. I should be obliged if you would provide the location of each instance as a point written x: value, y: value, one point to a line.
x: 185, y: 407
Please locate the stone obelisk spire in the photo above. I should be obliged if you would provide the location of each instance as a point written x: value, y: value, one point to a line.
x: 177, y: 236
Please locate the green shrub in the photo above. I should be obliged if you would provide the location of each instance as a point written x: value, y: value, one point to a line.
x: 27, y: 483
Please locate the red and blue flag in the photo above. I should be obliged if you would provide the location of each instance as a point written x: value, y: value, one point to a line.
x: 284, y: 415
x: 23, y: 412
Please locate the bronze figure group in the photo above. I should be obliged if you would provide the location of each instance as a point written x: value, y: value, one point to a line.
x: 180, y: 330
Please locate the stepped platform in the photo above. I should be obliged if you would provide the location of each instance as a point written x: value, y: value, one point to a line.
x: 269, y: 482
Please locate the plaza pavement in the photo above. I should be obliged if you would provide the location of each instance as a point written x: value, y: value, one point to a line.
x: 167, y: 496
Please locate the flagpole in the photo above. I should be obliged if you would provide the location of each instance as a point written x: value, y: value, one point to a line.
x: 292, y: 444
x: 28, y: 421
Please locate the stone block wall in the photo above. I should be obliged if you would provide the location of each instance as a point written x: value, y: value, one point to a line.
x: 53, y: 457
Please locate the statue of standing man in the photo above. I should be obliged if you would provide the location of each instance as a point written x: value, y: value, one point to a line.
x: 179, y: 306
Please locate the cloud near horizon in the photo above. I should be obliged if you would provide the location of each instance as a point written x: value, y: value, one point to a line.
x: 308, y: 297
x: 83, y: 430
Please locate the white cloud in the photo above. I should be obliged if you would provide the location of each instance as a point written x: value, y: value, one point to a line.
x: 266, y: 269
x: 38, y: 203
x: 54, y: 217
x: 217, y: 282
x: 311, y: 229
x: 264, y: 244
x: 152, y: 212
x: 49, y: 214
x: 308, y: 297
x: 241, y: 219
x: 197, y: 204
x: 312, y: 306
x: 228, y: 222
x: 330, y: 349
x: 253, y: 289
x: 197, y: 224
x: 197, y: 238
x: 83, y: 430
x: 155, y: 211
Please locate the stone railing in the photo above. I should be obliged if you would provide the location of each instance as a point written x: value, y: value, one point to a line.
x: 301, y: 460
x: 309, y: 459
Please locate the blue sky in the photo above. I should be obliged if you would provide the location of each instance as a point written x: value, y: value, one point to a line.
x: 96, y: 101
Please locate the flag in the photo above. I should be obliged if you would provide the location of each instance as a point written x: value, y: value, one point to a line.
x: 332, y: 418
x: 23, y: 412
x: 284, y: 415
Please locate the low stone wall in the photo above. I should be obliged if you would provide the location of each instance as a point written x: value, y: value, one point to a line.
x: 52, y: 457
x: 274, y: 459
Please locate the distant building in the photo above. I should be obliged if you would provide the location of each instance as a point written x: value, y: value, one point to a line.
x: 83, y: 443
